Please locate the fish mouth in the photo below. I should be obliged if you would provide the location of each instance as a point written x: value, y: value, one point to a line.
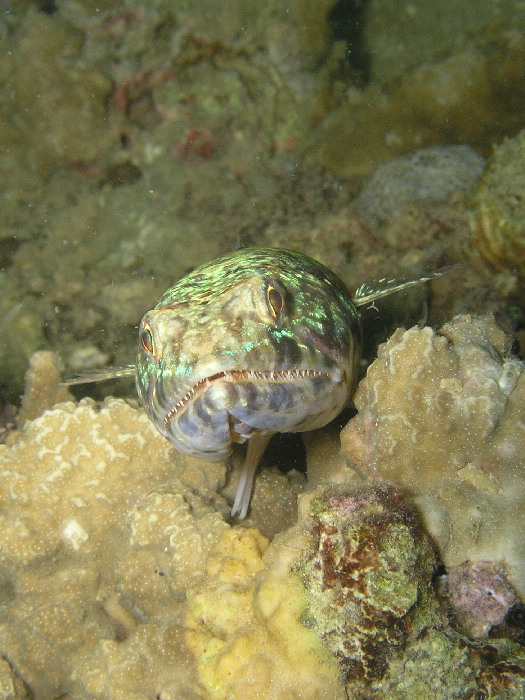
x: 240, y: 375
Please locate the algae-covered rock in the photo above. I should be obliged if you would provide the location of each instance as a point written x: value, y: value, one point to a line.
x: 21, y: 333
x: 436, y: 665
x: 367, y: 572
x: 456, y: 91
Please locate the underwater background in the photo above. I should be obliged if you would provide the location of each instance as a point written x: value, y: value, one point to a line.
x: 383, y: 138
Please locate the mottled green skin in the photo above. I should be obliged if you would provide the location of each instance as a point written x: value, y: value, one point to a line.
x: 246, y: 366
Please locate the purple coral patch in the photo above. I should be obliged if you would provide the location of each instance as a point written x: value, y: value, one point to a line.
x: 480, y: 595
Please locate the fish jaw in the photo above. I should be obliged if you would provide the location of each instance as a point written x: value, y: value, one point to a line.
x: 233, y: 405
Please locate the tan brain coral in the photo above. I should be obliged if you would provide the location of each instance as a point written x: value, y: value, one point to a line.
x: 76, y: 471
x: 103, y: 527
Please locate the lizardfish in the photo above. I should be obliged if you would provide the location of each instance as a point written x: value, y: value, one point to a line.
x: 258, y: 341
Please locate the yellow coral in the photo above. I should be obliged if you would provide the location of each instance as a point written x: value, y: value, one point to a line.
x: 244, y: 627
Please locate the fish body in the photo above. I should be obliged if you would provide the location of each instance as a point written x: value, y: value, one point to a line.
x: 258, y: 341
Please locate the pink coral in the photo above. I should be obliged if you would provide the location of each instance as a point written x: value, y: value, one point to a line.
x: 480, y: 594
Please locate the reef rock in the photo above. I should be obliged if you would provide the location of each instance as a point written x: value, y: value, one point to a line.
x: 367, y: 574
x: 424, y: 177
x: 341, y: 592
x: 442, y: 416
x: 498, y: 228
x: 480, y: 595
x: 340, y: 606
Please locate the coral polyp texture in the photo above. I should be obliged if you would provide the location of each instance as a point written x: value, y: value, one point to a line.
x: 120, y: 578
x: 102, y: 527
x: 442, y: 415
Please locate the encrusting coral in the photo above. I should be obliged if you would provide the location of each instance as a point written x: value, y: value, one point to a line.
x: 244, y: 627
x: 103, y: 525
x: 441, y: 415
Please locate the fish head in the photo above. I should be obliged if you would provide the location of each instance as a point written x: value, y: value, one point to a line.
x: 258, y: 341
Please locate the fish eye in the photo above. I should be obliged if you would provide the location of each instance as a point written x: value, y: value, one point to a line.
x: 274, y: 298
x: 146, y: 339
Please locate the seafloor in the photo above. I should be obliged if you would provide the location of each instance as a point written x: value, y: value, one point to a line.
x: 383, y: 138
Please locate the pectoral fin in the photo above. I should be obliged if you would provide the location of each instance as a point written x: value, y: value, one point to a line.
x: 379, y: 288
x: 101, y: 375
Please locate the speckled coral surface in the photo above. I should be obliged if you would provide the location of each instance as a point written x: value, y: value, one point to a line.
x: 104, y: 528
x: 442, y: 415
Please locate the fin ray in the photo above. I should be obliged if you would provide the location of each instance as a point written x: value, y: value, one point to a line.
x: 377, y: 289
x: 101, y: 375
